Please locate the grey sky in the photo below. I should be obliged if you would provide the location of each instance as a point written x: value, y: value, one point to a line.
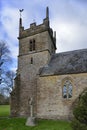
x: 67, y: 17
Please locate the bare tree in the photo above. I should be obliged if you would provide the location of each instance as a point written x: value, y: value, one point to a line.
x: 4, y: 59
x: 9, y: 82
x: 6, y: 76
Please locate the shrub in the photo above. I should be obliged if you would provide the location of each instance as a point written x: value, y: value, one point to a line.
x: 80, y: 113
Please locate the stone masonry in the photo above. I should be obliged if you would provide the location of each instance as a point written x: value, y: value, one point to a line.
x: 50, y: 103
x: 27, y: 72
x: 42, y: 74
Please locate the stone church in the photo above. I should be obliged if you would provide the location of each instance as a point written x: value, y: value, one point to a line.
x: 53, y: 80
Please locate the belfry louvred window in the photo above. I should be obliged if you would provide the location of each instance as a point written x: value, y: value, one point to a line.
x: 32, y: 45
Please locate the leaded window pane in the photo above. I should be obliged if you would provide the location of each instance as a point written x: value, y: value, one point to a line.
x: 67, y: 89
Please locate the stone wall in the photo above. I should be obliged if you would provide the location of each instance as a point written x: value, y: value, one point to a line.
x: 50, y: 103
x: 29, y: 63
x: 28, y: 76
x: 42, y: 42
x: 15, y: 100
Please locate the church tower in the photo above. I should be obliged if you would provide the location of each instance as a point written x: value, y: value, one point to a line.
x: 36, y: 45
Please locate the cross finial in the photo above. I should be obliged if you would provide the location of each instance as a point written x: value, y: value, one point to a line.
x: 21, y: 10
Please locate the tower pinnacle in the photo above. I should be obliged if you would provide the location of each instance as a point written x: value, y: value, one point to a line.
x: 20, y: 21
x: 47, y: 12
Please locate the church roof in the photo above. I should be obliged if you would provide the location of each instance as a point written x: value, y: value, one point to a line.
x: 71, y: 62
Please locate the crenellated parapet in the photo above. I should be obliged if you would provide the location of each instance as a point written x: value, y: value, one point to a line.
x: 36, y: 29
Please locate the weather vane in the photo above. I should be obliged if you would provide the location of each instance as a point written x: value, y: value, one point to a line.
x: 21, y: 10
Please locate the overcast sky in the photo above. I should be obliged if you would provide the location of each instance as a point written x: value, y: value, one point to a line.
x: 67, y: 17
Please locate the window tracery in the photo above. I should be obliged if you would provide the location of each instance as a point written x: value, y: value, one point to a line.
x: 67, y: 89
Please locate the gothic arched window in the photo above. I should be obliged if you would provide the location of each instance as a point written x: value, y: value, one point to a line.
x: 67, y: 89
x: 32, y: 45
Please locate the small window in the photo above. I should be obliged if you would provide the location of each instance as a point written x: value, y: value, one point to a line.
x: 31, y: 60
x: 32, y: 45
x: 67, y: 89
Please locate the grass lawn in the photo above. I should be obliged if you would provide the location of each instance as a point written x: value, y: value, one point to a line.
x: 19, y: 124
x: 4, y: 110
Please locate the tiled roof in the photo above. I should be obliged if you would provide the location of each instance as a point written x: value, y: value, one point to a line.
x: 71, y: 62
